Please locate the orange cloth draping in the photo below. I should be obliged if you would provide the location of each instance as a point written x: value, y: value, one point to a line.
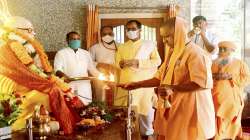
x: 228, y: 96
x: 227, y: 44
x: 92, y: 25
x: 191, y: 115
x: 13, y: 68
x: 160, y: 120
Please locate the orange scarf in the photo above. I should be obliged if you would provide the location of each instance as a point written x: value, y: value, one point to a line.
x: 180, y: 37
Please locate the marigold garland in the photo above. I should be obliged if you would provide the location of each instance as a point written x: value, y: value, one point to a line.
x: 20, y: 52
x: 37, y: 46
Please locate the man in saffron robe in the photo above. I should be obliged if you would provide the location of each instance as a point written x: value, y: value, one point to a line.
x: 230, y: 77
x: 186, y: 78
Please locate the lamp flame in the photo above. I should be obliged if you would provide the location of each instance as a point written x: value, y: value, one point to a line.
x: 111, y: 77
x: 102, y: 77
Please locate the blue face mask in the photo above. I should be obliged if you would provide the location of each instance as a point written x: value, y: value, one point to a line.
x: 75, y: 44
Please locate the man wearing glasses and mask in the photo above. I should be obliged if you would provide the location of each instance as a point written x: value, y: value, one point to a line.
x: 137, y: 60
x: 103, y: 55
x: 202, y: 37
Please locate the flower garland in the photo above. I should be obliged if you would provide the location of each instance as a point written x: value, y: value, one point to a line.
x: 37, y: 46
x: 9, y: 108
x: 20, y: 52
x: 40, y: 51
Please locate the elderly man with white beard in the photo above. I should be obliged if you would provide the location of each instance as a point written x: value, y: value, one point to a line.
x: 25, y: 69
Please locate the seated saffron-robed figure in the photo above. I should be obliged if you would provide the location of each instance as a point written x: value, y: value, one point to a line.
x: 24, y: 68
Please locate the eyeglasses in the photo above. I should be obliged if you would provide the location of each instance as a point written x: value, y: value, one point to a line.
x: 110, y: 34
x: 223, y: 49
x: 29, y: 30
x: 131, y: 29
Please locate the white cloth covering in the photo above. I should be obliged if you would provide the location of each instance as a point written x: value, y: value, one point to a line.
x: 146, y: 123
x: 102, y: 54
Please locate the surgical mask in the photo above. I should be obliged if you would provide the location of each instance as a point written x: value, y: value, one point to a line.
x: 108, y: 39
x: 197, y: 30
x: 223, y: 62
x: 75, y: 44
x: 132, y: 34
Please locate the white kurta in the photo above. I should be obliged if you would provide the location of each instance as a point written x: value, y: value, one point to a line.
x: 100, y: 54
x: 77, y: 64
x: 211, y: 38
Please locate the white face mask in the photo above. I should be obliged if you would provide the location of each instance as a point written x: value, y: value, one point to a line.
x: 132, y: 34
x: 108, y: 39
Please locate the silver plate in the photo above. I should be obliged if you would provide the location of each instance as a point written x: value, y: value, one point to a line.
x: 81, y: 78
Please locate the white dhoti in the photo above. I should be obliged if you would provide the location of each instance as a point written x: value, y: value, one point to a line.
x: 146, y: 123
x: 205, y: 112
x: 77, y: 64
x: 99, y: 91
x: 83, y: 90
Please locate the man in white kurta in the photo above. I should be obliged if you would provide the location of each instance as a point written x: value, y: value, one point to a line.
x: 203, y: 37
x: 104, y: 51
x: 138, y: 60
x: 72, y: 62
x: 103, y: 55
